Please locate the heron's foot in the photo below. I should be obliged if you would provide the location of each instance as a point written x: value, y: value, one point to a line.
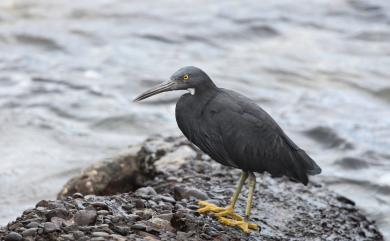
x: 218, y: 211
x: 227, y: 216
x: 245, y: 226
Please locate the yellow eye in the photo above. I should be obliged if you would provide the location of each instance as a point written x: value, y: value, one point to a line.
x: 186, y: 77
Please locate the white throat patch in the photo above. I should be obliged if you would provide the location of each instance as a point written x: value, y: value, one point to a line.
x: 191, y: 90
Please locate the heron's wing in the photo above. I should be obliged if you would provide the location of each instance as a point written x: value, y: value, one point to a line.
x: 204, y: 133
x: 256, y: 142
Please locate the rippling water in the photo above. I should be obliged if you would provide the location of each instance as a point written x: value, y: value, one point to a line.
x: 69, y: 68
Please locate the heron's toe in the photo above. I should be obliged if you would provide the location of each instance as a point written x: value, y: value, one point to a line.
x: 229, y: 212
x: 246, y: 227
x: 209, y: 207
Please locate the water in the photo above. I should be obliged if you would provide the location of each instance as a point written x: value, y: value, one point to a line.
x: 68, y: 71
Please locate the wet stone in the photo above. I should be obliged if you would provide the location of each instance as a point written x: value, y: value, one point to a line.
x: 133, y: 217
x: 168, y: 199
x: 100, y: 205
x: 98, y: 239
x: 85, y: 217
x: 32, y: 225
x: 50, y: 227
x: 58, y: 212
x: 67, y: 236
x: 128, y: 207
x: 167, y: 216
x: 77, y: 195
x: 145, y: 191
x: 139, y: 204
x: 138, y: 226
x: 13, y: 236
x: 123, y: 230
x: 29, y: 232
x: 100, y: 234
x: 103, y: 212
x: 78, y: 234
x: 42, y: 203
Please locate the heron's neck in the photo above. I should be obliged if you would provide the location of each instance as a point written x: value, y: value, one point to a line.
x: 208, y: 87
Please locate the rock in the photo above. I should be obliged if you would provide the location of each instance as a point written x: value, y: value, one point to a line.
x: 78, y: 234
x: 67, y: 237
x: 139, y: 204
x: 166, y: 216
x: 168, y: 199
x: 77, y: 195
x: 29, y: 232
x: 42, y: 203
x: 49, y: 227
x: 13, y: 236
x: 85, y: 217
x: 139, y: 226
x: 145, y: 191
x: 186, y: 193
x: 32, y: 225
x: 57, y: 212
x: 99, y: 205
x: 103, y: 212
x: 166, y: 208
x: 100, y: 234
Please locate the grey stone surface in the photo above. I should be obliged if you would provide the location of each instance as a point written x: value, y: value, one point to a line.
x: 165, y: 209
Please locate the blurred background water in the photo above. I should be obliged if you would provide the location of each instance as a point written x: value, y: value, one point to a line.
x: 68, y: 70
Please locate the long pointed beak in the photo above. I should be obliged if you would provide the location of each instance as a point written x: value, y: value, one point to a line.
x: 166, y: 86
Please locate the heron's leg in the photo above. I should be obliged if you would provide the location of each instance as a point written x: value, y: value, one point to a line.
x: 244, y: 225
x: 229, y: 210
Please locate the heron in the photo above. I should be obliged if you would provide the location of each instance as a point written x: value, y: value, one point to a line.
x: 236, y: 132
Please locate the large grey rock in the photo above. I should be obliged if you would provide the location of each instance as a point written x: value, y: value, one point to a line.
x: 284, y: 210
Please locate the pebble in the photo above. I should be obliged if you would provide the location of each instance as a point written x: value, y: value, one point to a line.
x: 138, y: 226
x: 100, y: 234
x: 50, y: 227
x: 117, y: 237
x: 85, y: 217
x: 123, y: 230
x: 32, y: 225
x: 78, y: 234
x: 78, y: 195
x: 198, y: 194
x: 100, y: 205
x: 58, y: 212
x: 161, y: 223
x: 152, y: 203
x: 29, y: 232
x: 103, y: 212
x: 67, y: 236
x: 148, y: 191
x: 168, y: 199
x: 98, y: 239
x: 166, y: 216
x: 42, y: 203
x: 133, y: 217
x: 13, y: 236
x: 139, y: 204
x: 128, y: 207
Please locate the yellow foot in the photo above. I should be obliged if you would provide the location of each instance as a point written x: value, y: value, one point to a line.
x: 243, y: 225
x: 234, y: 219
x: 218, y: 211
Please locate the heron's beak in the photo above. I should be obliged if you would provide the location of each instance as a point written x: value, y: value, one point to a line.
x: 166, y: 86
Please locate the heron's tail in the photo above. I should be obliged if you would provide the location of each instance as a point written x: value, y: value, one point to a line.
x: 309, y: 164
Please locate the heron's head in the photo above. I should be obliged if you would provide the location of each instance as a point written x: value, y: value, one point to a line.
x: 187, y: 78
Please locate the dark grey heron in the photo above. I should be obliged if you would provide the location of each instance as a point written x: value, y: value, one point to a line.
x: 236, y: 132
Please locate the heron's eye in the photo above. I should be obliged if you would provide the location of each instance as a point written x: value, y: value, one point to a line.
x: 185, y: 77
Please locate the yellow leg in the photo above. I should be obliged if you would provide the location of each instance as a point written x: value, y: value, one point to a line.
x: 229, y: 210
x: 226, y: 215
